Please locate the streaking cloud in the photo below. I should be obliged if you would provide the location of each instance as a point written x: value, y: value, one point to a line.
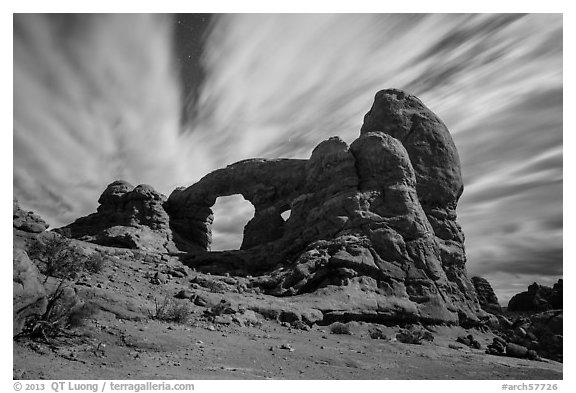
x: 97, y: 100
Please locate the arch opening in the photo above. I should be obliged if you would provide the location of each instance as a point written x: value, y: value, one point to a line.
x: 231, y: 214
x: 286, y: 214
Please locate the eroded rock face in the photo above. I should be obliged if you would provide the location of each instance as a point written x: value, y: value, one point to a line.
x: 486, y: 296
x: 427, y: 141
x: 372, y: 233
x: 270, y: 185
x: 27, y: 221
x: 28, y: 296
x: 128, y: 217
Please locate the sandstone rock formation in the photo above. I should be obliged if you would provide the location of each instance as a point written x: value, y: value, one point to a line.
x: 486, y: 296
x: 27, y: 221
x: 128, y: 217
x: 538, y: 298
x: 28, y: 296
x: 270, y: 185
x: 372, y: 233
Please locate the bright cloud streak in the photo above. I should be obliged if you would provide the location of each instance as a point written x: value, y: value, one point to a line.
x: 95, y: 99
x: 97, y: 103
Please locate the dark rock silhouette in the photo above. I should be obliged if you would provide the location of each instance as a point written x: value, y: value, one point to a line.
x: 486, y: 296
x: 538, y: 298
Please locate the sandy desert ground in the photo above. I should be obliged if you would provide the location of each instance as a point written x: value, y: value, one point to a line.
x: 123, y: 343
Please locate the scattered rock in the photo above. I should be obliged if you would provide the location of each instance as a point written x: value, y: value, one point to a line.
x: 248, y: 317
x: 520, y: 331
x: 505, y: 323
x: 532, y: 355
x: 213, y: 284
x: 300, y: 325
x: 340, y: 328
x: 159, y: 279
x: 223, y: 319
x: 469, y: 341
x: 185, y: 294
x: 224, y: 307
x: 178, y: 271
x: 18, y: 374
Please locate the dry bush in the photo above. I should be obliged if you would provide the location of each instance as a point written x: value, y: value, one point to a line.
x: 95, y: 263
x: 57, y: 257
x: 78, y: 315
x: 171, y: 310
x: 377, y: 334
x: 414, y: 336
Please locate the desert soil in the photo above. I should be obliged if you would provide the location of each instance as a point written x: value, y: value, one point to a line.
x: 110, y: 347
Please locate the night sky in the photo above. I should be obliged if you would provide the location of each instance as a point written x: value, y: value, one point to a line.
x: 165, y: 99
x: 190, y: 31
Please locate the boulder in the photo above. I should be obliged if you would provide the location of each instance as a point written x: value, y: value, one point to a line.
x: 516, y: 351
x: 29, y: 296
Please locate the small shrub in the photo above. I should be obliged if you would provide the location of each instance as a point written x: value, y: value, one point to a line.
x: 180, y: 312
x: 54, y: 320
x: 414, y: 336
x: 377, y: 334
x: 160, y: 309
x: 339, y: 328
x: 171, y: 310
x: 78, y: 315
x: 56, y: 257
x: 95, y: 263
